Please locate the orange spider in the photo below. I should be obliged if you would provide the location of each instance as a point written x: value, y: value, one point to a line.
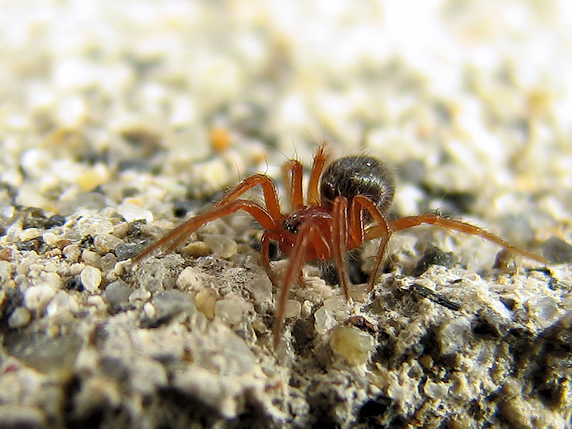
x: 352, y: 192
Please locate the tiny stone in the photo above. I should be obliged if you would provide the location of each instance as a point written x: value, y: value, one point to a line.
x: 97, y: 302
x: 128, y: 250
x: 224, y: 246
x: 352, y: 344
x: 191, y: 279
x: 44, y: 352
x: 238, y: 355
x: 261, y: 288
x: 324, y: 320
x: 72, y: 252
x: 108, y: 262
x: 206, y: 301
x: 105, y: 243
x: 171, y: 302
x: 120, y: 230
x: 60, y: 303
x: 230, y: 310
x: 38, y: 297
x: 6, y: 253
x: 158, y: 274
x: 6, y: 271
x: 149, y: 310
x: 292, y: 309
x: 116, y: 293
x: 100, y: 227
x: 50, y: 238
x: 52, y: 279
x: 30, y: 234
x: 544, y: 309
x: 557, y: 250
x: 454, y: 335
x: 336, y: 304
x: 132, y: 212
x: 91, y: 278
x: 196, y: 249
x: 139, y: 295
x: 91, y: 258
x: 19, y: 318
x: 55, y: 220
x: 14, y: 416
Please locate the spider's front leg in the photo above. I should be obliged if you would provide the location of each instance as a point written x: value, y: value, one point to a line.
x: 178, y: 235
x: 309, y: 234
x: 340, y: 240
x: 267, y: 236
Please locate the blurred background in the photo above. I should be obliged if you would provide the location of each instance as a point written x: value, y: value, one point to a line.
x: 154, y: 101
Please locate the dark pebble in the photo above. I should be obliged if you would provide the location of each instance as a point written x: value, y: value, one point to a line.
x: 557, y: 251
x: 128, y: 250
x: 55, y: 220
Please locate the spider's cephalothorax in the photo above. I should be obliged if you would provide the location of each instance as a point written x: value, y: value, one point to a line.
x: 345, y: 206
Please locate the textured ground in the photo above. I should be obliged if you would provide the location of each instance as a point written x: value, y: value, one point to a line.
x: 119, y: 119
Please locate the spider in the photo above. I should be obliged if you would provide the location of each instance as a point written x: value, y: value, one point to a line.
x: 346, y: 206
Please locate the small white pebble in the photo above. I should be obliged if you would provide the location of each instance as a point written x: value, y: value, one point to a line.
x: 324, y: 320
x: 29, y: 234
x: 544, y: 310
x: 222, y: 245
x: 6, y: 270
x: 336, y: 304
x: 91, y: 278
x: 101, y: 227
x: 60, y: 303
x: 132, y: 212
x: 52, y: 279
x: 191, y: 279
x: 352, y: 344
x: 454, y: 335
x: 19, y: 318
x: 50, y: 238
x: 139, y: 295
x: 105, y: 243
x: 149, y: 309
x: 37, y: 297
x: 230, y: 310
x: 108, y: 262
x: 72, y: 252
x: 91, y: 258
x: 76, y: 269
x: 97, y: 302
x: 121, y: 229
x: 292, y: 309
x: 206, y: 301
x: 306, y: 309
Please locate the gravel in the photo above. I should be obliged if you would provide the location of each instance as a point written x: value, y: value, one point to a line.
x: 118, y: 119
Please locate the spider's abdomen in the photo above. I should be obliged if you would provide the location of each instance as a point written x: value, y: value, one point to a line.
x: 358, y: 175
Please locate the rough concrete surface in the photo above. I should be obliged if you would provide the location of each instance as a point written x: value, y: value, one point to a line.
x: 120, y: 119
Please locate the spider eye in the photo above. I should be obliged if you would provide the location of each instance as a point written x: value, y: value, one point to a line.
x: 292, y: 225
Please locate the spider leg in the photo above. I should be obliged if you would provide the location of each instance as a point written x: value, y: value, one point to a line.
x: 268, y: 188
x: 265, y: 253
x: 359, y: 203
x: 309, y: 234
x: 292, y: 176
x: 317, y: 167
x: 184, y: 230
x: 339, y: 240
x: 410, y: 221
